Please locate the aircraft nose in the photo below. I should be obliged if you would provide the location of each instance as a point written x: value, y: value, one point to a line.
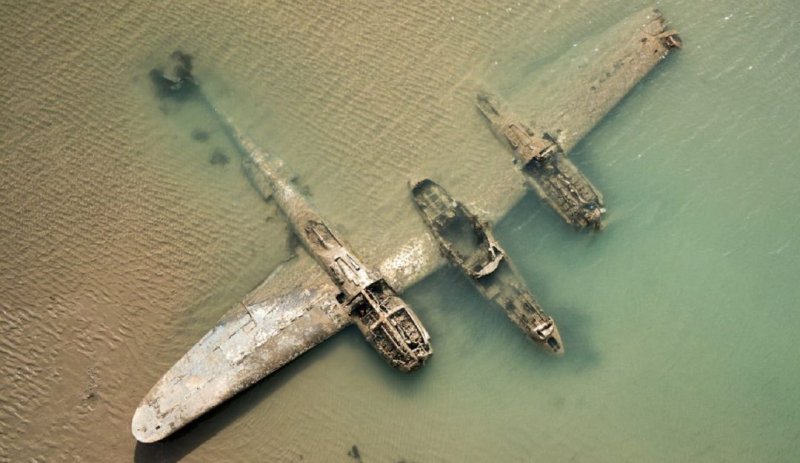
x: 416, y: 182
x: 554, y: 343
x: 548, y: 336
x: 594, y: 216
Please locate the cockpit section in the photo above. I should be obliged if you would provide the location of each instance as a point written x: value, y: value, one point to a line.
x: 462, y: 236
x: 546, y: 333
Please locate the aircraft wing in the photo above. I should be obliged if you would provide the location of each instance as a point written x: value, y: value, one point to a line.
x: 290, y: 312
x: 570, y: 96
x: 296, y: 309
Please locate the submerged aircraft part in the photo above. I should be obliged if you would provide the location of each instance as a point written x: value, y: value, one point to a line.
x: 592, y: 79
x: 387, y: 322
x: 394, y: 331
x: 564, y: 110
x: 298, y: 306
x: 470, y: 245
x: 546, y: 169
x: 463, y: 238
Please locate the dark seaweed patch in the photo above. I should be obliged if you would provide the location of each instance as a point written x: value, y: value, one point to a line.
x: 200, y: 135
x: 218, y: 158
x: 354, y: 453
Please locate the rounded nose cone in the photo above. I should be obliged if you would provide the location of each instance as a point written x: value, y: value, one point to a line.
x: 594, y: 217
x: 554, y: 343
x: 416, y: 184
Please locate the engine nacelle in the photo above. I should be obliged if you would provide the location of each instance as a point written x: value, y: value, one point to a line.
x: 391, y: 326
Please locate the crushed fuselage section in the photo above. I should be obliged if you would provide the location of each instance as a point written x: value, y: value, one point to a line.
x: 469, y: 243
x: 547, y: 169
x: 463, y: 238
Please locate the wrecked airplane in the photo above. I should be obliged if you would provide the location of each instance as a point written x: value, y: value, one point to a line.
x: 468, y: 243
x: 326, y: 287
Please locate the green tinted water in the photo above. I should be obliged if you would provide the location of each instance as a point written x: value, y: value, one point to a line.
x: 679, y: 319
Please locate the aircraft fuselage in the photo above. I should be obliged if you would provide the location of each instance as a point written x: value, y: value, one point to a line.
x: 469, y: 243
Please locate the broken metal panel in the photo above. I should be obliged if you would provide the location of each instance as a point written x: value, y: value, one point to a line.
x: 462, y: 237
x: 486, y: 263
x: 291, y: 312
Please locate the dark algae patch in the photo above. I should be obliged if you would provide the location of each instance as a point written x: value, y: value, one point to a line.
x: 200, y: 135
x: 354, y: 453
x: 218, y: 158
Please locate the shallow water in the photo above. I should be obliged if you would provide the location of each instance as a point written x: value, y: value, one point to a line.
x: 121, y: 244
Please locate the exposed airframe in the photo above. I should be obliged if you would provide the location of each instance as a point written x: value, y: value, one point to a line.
x: 299, y: 305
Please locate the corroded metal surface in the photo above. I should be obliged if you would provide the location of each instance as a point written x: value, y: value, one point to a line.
x: 296, y: 308
x: 569, y: 105
x: 469, y: 243
x: 546, y: 169
x: 463, y: 238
